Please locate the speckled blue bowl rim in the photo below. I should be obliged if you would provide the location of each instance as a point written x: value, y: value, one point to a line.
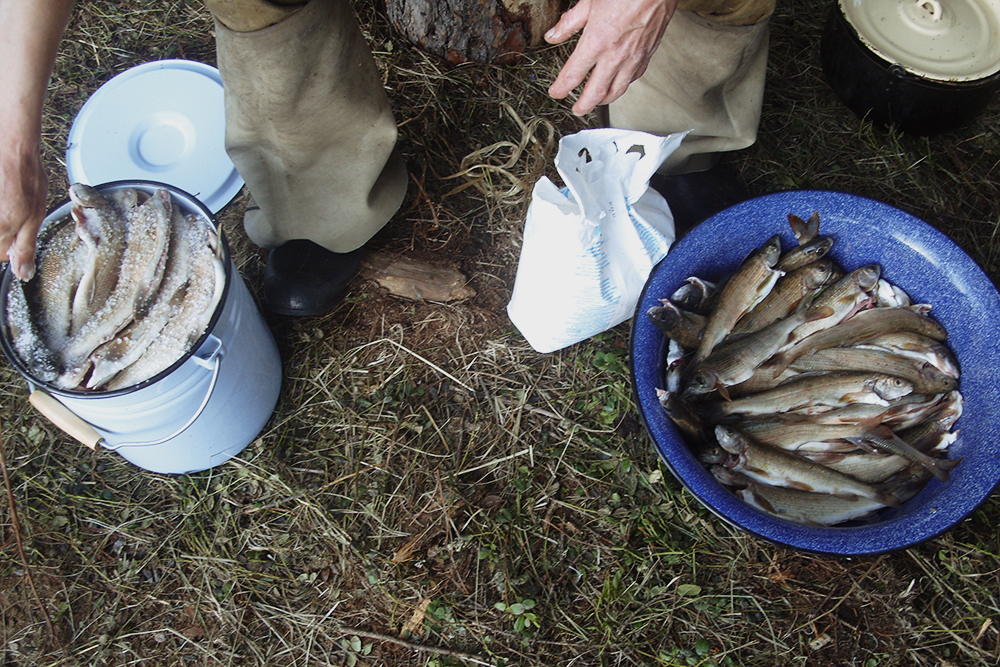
x: 913, y: 255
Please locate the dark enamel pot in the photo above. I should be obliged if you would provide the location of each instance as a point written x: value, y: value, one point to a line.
x: 925, y: 66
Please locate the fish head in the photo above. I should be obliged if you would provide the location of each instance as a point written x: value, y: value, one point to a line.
x: 84, y: 195
x: 702, y: 382
x: 692, y: 294
x: 818, y: 273
x: 126, y: 198
x: 712, y: 455
x: 729, y: 477
x: 730, y: 439
x: 664, y: 316
x: 890, y: 388
x: 940, y: 381
x: 933, y: 329
x: 770, y: 252
x: 818, y: 247
x: 867, y: 277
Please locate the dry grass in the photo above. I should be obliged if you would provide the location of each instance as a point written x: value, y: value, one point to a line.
x: 424, y: 464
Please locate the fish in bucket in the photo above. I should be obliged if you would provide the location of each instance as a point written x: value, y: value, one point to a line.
x: 137, y: 333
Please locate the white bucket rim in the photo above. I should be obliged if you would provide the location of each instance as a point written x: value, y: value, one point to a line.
x: 148, y: 187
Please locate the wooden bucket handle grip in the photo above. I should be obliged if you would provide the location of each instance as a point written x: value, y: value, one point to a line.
x: 65, y: 418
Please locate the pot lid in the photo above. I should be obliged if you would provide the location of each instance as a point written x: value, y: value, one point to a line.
x: 944, y: 40
x: 161, y: 121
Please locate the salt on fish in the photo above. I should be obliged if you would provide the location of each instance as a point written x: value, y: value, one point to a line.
x: 156, y: 311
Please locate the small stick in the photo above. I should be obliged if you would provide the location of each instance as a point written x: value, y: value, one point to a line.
x: 16, y: 526
x: 451, y: 653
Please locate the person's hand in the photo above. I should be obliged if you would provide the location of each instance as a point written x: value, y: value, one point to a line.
x: 618, y: 39
x: 29, y: 38
x: 23, y: 190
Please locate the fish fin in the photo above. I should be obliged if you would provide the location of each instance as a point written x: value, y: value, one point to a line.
x: 819, y: 313
x: 723, y: 391
x: 762, y: 501
x: 778, y: 363
x: 800, y: 486
x: 949, y: 464
x: 812, y: 225
x: 847, y: 496
x: 867, y: 397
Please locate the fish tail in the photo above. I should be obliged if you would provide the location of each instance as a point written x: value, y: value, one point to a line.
x: 941, y: 467
x: 887, y: 498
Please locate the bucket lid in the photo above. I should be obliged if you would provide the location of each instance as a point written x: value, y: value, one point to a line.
x: 942, y: 40
x: 162, y: 121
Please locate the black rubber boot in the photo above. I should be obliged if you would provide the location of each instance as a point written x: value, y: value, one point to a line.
x: 696, y: 196
x: 303, y: 279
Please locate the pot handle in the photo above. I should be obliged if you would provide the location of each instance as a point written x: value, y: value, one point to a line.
x: 65, y: 419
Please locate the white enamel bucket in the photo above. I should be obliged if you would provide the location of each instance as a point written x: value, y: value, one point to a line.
x: 200, y: 412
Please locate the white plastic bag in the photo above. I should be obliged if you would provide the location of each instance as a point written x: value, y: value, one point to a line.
x: 589, y: 247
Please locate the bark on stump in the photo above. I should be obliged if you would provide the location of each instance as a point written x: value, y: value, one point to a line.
x: 487, y: 31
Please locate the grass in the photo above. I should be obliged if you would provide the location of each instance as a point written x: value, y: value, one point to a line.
x: 430, y: 491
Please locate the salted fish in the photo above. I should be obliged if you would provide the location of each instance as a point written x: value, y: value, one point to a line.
x: 139, y: 275
x: 101, y: 228
x: 25, y: 336
x: 193, y: 304
x: 128, y: 346
x: 61, y: 262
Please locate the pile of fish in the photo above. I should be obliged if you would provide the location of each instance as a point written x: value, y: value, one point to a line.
x: 123, y: 288
x: 817, y: 395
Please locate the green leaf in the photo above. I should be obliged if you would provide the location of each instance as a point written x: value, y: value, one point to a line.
x: 688, y: 590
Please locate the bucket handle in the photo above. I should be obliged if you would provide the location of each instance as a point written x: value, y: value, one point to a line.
x: 67, y: 420
x: 76, y: 427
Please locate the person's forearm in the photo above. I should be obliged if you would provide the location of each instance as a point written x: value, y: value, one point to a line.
x: 30, y: 31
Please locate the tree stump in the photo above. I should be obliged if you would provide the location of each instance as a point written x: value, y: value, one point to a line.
x: 486, y: 31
